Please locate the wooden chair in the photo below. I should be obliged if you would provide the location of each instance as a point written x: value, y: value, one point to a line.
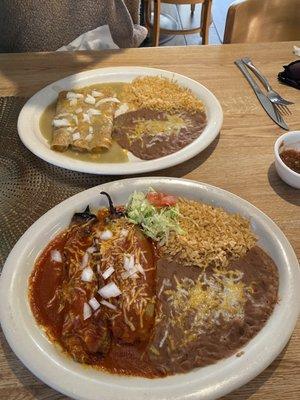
x: 203, y: 29
x: 262, y: 21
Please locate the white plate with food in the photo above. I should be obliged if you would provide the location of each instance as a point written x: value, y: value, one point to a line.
x: 120, y: 120
x: 177, y: 290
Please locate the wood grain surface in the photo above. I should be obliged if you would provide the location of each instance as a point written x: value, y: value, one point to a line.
x: 240, y: 160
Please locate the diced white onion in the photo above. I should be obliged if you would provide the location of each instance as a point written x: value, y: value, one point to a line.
x: 108, y: 304
x: 122, y: 109
x: 109, y: 290
x: 140, y: 269
x: 107, y: 273
x: 107, y: 100
x: 86, y: 118
x: 56, y: 256
x: 91, y: 249
x: 73, y: 102
x: 78, y: 110
x: 60, y: 123
x: 131, y: 268
x: 76, y: 136
x: 128, y: 262
x: 94, y: 303
x: 87, y: 312
x: 95, y: 93
x: 106, y: 235
x: 93, y: 111
x: 89, y: 137
x: 126, y: 274
x: 85, y: 260
x: 90, y: 99
x: 73, y: 95
x: 87, y: 274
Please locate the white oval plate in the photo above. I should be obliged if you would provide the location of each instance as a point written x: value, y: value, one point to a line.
x: 31, y: 136
x: 85, y: 383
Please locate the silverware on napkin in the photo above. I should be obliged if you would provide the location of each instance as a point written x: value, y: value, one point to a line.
x: 263, y: 99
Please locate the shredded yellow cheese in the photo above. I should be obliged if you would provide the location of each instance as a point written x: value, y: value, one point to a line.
x: 206, y: 300
x: 172, y: 125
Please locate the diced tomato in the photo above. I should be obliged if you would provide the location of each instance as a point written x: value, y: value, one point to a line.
x: 161, y: 199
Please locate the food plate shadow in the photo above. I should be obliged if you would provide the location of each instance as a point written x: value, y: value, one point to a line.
x: 283, y: 190
x: 76, y: 181
x: 180, y: 170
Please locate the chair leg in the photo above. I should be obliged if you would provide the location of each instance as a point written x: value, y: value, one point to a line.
x: 147, y: 11
x: 156, y: 23
x: 193, y: 8
x: 205, y: 20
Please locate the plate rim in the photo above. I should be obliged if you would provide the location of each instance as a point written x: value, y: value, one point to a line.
x: 228, y: 385
x: 31, y: 142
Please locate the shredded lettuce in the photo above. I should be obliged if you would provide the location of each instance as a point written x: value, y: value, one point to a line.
x: 156, y: 222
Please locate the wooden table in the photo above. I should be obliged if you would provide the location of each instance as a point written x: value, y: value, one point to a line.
x: 240, y: 160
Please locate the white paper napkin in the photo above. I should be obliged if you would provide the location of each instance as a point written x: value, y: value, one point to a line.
x: 97, y: 39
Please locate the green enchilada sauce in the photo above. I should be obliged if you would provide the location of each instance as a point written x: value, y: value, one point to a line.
x: 116, y: 154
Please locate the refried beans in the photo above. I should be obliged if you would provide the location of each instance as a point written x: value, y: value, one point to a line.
x: 150, y: 134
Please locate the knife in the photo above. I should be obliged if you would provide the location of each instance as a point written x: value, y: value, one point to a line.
x: 264, y: 101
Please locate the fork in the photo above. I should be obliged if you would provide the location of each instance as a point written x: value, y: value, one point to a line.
x: 273, y: 96
x: 282, y: 109
x: 278, y: 113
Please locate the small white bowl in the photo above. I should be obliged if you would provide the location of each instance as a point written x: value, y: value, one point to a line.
x: 290, y: 140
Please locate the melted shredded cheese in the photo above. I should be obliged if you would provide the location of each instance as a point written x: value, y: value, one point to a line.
x: 223, y: 294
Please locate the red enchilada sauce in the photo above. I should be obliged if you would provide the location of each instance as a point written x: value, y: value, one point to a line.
x: 48, y: 275
x: 119, y: 356
x: 291, y: 158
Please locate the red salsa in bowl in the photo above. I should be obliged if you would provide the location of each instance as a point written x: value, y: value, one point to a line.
x: 291, y: 159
